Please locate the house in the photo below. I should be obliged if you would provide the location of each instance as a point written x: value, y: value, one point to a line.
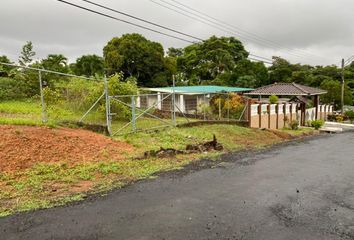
x: 187, y: 98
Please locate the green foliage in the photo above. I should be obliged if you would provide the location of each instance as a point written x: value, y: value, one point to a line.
x: 77, y: 94
x: 273, y: 99
x: 5, y: 71
x: 350, y: 115
x: 334, y: 93
x: 317, y: 124
x: 294, y: 125
x: 11, y: 89
x: 117, y: 87
x: 27, y: 54
x: 227, y: 105
x: 214, y: 56
x: 88, y: 65
x: 134, y: 55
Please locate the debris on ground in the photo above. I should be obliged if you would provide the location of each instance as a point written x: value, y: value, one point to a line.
x: 191, y: 148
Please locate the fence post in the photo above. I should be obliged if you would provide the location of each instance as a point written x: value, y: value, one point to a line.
x: 133, y: 115
x: 228, y: 106
x: 44, y: 115
x: 174, y: 102
x: 108, y: 107
x: 204, y: 107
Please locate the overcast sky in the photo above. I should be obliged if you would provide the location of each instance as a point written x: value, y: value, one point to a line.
x: 306, y: 31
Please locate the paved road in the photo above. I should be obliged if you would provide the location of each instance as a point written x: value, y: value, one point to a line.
x: 303, y: 191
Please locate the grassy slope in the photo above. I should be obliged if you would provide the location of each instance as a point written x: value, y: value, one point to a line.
x: 46, y: 185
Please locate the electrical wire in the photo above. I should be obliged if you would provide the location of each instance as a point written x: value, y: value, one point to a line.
x: 124, y: 21
x: 221, y: 27
x: 241, y: 30
x: 140, y: 26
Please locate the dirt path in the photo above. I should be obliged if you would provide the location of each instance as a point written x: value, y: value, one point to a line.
x: 303, y: 191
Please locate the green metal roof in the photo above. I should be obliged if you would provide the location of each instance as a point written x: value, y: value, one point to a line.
x: 199, y: 89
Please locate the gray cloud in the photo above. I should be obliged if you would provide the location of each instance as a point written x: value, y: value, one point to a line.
x: 319, y: 27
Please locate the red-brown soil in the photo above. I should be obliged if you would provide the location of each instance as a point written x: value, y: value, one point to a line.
x: 23, y: 146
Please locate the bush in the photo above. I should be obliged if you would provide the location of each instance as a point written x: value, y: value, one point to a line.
x: 339, y: 118
x: 117, y: 87
x: 350, y: 115
x: 308, y: 123
x: 317, y: 124
x: 10, y: 89
x: 78, y: 94
x: 232, y: 104
x: 273, y: 99
x: 294, y: 125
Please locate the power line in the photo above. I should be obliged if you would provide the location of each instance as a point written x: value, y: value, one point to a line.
x: 220, y: 27
x: 140, y: 19
x: 241, y: 30
x: 124, y: 21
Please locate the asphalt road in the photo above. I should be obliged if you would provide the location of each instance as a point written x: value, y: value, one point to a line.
x: 301, y: 191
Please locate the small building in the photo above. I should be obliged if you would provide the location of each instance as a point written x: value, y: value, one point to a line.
x: 266, y: 115
x: 188, y: 98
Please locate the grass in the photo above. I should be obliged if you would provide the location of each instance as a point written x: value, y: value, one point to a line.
x: 48, y: 185
x: 299, y: 132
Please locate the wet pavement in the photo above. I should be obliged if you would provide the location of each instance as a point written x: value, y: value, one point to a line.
x: 301, y: 191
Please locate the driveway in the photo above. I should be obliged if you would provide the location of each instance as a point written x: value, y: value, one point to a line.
x: 301, y: 191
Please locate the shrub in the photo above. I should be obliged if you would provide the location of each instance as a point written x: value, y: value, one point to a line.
x: 232, y: 104
x: 332, y: 117
x: 11, y: 89
x: 294, y: 125
x: 350, y: 115
x: 317, y: 124
x: 273, y: 99
x: 339, y: 118
x: 308, y: 123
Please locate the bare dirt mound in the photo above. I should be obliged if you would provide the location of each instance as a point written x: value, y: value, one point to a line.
x: 23, y: 146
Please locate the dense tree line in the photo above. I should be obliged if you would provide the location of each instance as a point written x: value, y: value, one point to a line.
x: 217, y: 61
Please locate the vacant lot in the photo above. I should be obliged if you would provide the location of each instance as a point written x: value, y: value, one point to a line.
x: 43, y: 167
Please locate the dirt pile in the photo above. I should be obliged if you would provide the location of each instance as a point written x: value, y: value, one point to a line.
x: 23, y: 146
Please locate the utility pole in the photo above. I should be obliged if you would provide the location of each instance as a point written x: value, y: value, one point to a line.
x: 343, y: 87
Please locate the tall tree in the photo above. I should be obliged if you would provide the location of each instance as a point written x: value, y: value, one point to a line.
x: 89, y: 65
x: 27, y: 54
x: 135, y: 56
x: 208, y: 59
x: 5, y: 70
x: 56, y: 62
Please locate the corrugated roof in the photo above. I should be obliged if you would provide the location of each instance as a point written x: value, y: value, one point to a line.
x: 287, y: 89
x: 199, y: 89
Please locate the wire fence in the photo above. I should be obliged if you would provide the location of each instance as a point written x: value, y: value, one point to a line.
x: 37, y: 96
x: 146, y: 112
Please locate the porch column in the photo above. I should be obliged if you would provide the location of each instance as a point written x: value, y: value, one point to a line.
x: 316, y: 102
x: 159, y: 103
x: 182, y: 106
x: 138, y: 102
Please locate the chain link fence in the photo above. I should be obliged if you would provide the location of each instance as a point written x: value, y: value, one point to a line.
x: 148, y: 112
x: 37, y: 96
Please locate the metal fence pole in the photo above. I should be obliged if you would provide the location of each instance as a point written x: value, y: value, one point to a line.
x: 44, y: 115
x: 174, y: 102
x: 108, y: 107
x: 133, y: 114
x: 204, y: 107
x: 228, y: 106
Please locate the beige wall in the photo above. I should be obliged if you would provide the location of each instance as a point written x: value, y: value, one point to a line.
x: 254, y: 123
